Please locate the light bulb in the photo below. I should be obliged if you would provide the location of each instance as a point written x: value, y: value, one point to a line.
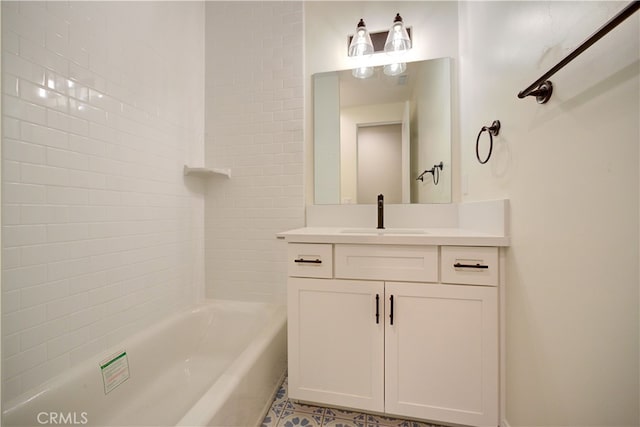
x: 398, y: 39
x: 395, y: 68
x: 362, y: 72
x: 361, y: 44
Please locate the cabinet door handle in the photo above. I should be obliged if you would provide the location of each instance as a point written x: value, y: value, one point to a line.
x: 458, y: 265
x: 391, y: 310
x: 308, y: 261
x: 377, y: 309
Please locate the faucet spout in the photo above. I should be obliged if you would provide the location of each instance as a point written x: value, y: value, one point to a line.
x: 380, y: 211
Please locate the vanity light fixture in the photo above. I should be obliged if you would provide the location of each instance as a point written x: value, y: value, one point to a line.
x: 394, y: 42
x: 361, y: 44
x: 360, y: 47
x: 398, y: 40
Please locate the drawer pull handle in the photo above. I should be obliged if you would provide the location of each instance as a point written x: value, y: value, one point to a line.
x: 308, y: 261
x: 391, y: 310
x: 458, y: 265
x: 377, y: 309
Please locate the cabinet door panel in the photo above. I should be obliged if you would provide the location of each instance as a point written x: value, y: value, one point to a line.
x: 336, y: 348
x: 441, y: 360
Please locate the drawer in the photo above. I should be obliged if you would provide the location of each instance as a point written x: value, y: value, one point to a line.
x: 470, y: 265
x: 387, y: 262
x: 310, y: 260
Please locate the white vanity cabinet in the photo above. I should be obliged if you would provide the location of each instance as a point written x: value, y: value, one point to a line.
x: 441, y: 353
x: 336, y: 345
x: 406, y: 330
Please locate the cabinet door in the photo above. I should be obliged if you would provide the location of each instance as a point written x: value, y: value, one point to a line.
x: 336, y: 348
x: 441, y: 353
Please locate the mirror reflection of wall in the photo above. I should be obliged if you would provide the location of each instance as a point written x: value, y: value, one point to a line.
x: 431, y: 132
x: 326, y: 119
x: 379, y: 163
x: 367, y: 118
x: 419, y: 101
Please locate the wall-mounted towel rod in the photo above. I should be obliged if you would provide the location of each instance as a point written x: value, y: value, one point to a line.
x: 542, y: 88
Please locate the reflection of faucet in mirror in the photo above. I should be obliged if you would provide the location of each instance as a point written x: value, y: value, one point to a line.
x: 380, y: 211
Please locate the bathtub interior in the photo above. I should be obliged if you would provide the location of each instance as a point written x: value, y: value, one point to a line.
x: 171, y: 365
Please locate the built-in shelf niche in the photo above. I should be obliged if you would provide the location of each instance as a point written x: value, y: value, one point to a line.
x: 207, y: 172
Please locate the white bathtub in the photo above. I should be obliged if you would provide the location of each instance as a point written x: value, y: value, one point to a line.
x: 218, y: 364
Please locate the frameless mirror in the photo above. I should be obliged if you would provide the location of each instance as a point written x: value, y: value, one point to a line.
x: 384, y: 134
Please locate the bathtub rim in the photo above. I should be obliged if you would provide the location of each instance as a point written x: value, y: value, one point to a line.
x: 84, y: 368
x: 203, y: 411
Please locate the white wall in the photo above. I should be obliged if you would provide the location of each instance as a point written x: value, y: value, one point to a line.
x: 102, y: 235
x: 570, y: 170
x: 254, y: 126
x: 432, y: 100
x: 380, y: 163
x: 350, y: 118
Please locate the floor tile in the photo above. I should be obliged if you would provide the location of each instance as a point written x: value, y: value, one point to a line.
x: 271, y: 419
x: 353, y: 417
x: 281, y: 395
x: 287, y: 413
x: 279, y: 408
x: 375, y: 420
x: 301, y: 407
x: 329, y: 421
x: 345, y: 414
x: 300, y: 419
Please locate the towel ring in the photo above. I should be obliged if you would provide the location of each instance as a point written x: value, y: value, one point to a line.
x: 492, y: 130
x: 434, y: 172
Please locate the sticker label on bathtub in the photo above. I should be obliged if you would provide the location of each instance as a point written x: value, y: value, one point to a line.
x: 115, y: 371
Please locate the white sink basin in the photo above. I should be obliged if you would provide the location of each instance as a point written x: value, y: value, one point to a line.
x: 384, y: 231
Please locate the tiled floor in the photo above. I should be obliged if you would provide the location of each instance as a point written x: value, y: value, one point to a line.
x: 286, y: 413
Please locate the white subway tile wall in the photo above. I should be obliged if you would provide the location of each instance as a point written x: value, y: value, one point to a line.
x: 254, y: 125
x: 103, y: 103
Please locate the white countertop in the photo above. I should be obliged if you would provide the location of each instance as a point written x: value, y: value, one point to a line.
x: 393, y: 236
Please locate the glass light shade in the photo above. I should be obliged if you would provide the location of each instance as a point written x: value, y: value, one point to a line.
x: 398, y: 39
x: 361, y: 44
x: 362, y: 72
x: 395, y: 69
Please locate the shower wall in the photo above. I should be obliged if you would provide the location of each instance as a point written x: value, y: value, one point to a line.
x: 103, y: 103
x: 254, y: 125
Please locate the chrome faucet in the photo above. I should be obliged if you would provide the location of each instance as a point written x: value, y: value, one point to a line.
x: 380, y: 211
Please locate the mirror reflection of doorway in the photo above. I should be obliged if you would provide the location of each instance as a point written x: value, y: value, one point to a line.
x: 379, y: 163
